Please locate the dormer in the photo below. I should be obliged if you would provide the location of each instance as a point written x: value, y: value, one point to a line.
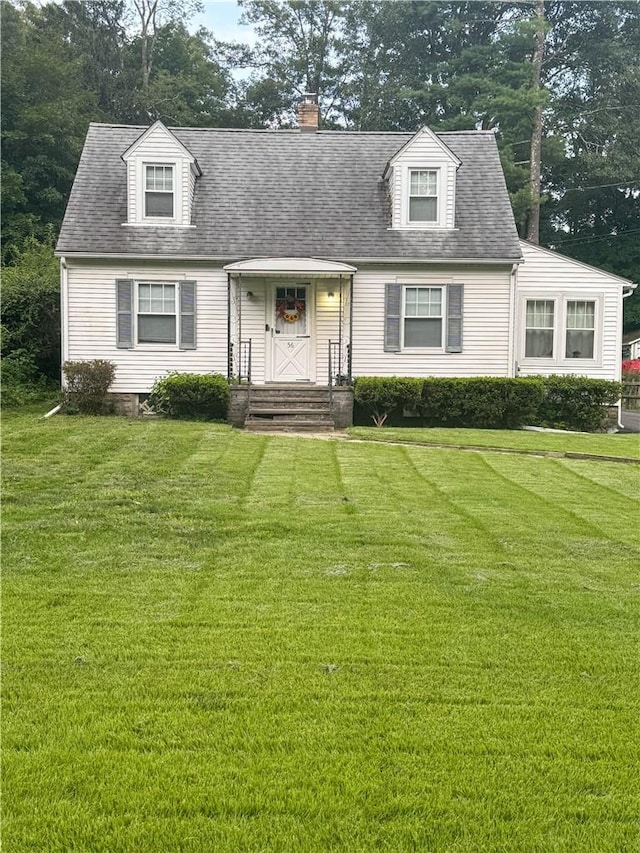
x: 422, y: 184
x: 161, y: 179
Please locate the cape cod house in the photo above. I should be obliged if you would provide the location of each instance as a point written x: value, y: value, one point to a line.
x: 294, y: 260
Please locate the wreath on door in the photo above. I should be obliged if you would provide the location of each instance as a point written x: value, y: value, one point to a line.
x: 290, y: 309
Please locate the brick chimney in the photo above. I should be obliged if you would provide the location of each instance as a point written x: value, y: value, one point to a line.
x: 308, y: 113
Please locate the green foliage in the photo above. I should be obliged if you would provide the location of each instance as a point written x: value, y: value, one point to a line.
x: 575, y: 402
x: 31, y: 308
x: 87, y: 385
x: 382, y: 395
x: 566, y: 402
x: 21, y: 380
x: 481, y: 401
x: 191, y: 396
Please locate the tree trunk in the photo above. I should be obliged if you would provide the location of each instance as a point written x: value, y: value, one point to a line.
x: 533, y: 226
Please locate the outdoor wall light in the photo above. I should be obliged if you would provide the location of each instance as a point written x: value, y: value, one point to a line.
x: 249, y: 294
x: 331, y: 296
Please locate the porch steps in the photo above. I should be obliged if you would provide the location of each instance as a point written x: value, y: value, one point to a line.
x: 289, y: 408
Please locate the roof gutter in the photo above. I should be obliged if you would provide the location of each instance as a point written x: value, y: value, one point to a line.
x: 231, y: 258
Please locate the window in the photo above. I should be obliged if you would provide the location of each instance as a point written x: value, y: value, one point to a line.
x: 423, y: 317
x: 156, y: 313
x: 580, y: 330
x: 158, y: 197
x: 539, y: 328
x: 423, y: 195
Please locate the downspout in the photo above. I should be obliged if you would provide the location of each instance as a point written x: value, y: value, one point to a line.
x: 229, y: 345
x: 350, y: 359
x: 64, y: 301
x: 511, y: 370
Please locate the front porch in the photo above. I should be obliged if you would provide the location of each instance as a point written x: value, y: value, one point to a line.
x: 289, y: 343
x: 290, y: 320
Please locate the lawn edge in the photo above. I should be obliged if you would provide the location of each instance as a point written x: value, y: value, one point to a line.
x: 555, y: 454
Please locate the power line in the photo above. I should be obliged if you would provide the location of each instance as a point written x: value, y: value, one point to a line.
x: 594, y: 239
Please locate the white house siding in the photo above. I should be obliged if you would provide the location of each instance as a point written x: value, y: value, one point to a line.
x: 159, y: 147
x: 90, y: 320
x: 485, y: 323
x: 257, y: 312
x: 547, y: 274
x: 423, y: 153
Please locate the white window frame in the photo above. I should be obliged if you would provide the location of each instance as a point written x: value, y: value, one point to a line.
x: 141, y: 182
x: 561, y: 300
x: 443, y: 317
x: 422, y: 225
x: 136, y: 312
x: 423, y: 222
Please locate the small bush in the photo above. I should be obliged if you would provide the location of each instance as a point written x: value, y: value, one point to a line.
x: 576, y: 403
x: 631, y: 368
x: 191, y: 396
x: 381, y: 395
x: 87, y: 385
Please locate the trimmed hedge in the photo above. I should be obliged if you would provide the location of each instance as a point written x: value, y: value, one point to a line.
x: 563, y: 402
x: 381, y: 396
x: 191, y: 396
x: 87, y: 386
x: 577, y: 403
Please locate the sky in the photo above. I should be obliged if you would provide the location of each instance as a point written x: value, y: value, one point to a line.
x: 221, y: 17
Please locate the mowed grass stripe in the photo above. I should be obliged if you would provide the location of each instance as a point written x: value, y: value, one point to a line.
x: 275, y: 653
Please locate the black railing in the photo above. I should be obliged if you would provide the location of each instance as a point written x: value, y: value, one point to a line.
x: 244, y: 364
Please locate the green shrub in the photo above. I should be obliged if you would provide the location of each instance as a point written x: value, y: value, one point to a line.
x: 381, y: 395
x: 481, y: 401
x: 191, y: 396
x: 21, y: 381
x: 31, y: 309
x: 575, y: 402
x: 87, y: 385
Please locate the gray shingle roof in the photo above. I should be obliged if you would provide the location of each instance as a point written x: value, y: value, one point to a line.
x: 289, y: 194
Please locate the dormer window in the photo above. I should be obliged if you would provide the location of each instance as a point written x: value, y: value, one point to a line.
x: 423, y: 195
x: 159, y: 191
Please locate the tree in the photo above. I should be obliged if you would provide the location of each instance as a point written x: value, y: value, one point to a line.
x: 45, y: 112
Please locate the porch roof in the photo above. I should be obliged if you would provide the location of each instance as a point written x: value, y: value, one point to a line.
x: 315, y: 267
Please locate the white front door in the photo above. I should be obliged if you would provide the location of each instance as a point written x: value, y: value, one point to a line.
x: 290, y: 334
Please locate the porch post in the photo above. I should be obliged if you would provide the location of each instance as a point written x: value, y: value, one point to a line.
x: 229, y: 342
x: 239, y: 310
x: 340, y: 320
x: 350, y: 356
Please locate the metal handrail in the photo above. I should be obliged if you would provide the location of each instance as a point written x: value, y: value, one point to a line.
x: 330, y: 377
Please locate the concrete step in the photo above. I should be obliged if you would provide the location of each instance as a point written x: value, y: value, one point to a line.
x: 268, y: 425
x: 274, y: 407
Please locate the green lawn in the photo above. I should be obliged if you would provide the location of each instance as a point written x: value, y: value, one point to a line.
x: 216, y: 641
x: 597, y: 445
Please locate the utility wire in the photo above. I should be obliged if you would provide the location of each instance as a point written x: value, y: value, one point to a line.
x: 594, y: 239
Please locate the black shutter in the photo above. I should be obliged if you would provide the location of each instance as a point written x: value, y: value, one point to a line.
x: 187, y: 315
x: 392, y: 309
x: 124, y: 314
x: 455, y: 299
